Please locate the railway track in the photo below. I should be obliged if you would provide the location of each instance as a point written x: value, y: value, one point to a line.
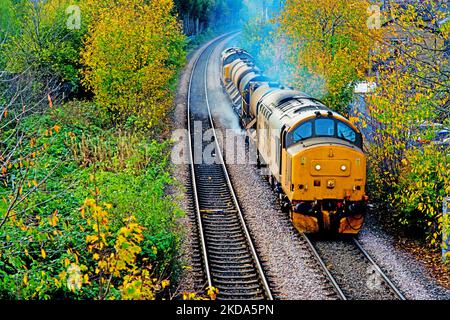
x: 228, y: 256
x: 351, y: 270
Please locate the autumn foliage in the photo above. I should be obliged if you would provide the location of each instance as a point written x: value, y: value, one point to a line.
x: 401, y: 53
x: 410, y: 167
x: 83, y: 208
x: 131, y: 57
x: 320, y: 47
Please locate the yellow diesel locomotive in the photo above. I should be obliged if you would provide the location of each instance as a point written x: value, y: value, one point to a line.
x: 314, y: 155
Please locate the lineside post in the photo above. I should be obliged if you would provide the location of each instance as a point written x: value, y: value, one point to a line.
x: 446, y: 230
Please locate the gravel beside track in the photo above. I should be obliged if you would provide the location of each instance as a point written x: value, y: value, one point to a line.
x: 407, y: 273
x: 292, y: 270
x: 353, y: 272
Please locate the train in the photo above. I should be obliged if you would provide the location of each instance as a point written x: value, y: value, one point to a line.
x: 314, y: 155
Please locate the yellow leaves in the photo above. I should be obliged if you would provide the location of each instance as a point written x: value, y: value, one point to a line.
x: 53, y: 219
x: 91, y: 239
x: 25, y: 279
x: 118, y: 261
x: 165, y: 283
x: 50, y: 102
x: 89, y: 202
x: 212, y: 292
x: 421, y: 207
x: 128, y: 69
x: 333, y: 49
x: 66, y: 262
x: 43, y: 253
x: 189, y: 296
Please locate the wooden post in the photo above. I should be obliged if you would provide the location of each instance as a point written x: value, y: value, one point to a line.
x: 445, y: 234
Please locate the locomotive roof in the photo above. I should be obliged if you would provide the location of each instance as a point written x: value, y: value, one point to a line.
x: 287, y: 107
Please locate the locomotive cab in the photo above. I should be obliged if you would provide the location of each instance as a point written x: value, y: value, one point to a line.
x: 325, y: 175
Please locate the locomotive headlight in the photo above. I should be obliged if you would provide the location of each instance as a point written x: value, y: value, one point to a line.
x: 343, y: 167
x: 318, y: 167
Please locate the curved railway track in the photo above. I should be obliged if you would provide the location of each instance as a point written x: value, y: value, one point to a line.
x: 226, y: 255
x: 352, y: 271
x: 229, y: 258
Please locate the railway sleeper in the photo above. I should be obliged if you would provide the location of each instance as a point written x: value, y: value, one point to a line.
x: 238, y: 282
x: 219, y: 261
x: 229, y: 253
x: 223, y: 230
x: 230, y: 246
x: 241, y: 277
x: 229, y: 238
x: 223, y: 233
x: 233, y: 268
x: 244, y: 294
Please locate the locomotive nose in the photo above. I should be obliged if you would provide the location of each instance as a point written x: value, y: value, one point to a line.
x: 331, y: 168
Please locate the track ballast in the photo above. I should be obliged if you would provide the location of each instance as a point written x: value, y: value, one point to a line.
x: 229, y: 259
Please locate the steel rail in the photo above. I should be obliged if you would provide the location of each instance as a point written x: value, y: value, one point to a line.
x: 230, y: 185
x: 325, y: 269
x: 191, y: 162
x: 195, y: 184
x: 380, y: 272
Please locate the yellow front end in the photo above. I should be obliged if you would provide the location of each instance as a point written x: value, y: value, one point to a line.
x: 326, y: 188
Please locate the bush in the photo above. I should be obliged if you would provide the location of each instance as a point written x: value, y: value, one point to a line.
x: 46, y: 243
x: 132, y: 57
x: 42, y: 43
x: 423, y: 184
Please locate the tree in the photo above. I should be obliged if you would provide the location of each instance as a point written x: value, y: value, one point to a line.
x: 328, y: 41
x: 194, y: 14
x: 410, y: 172
x: 132, y: 56
x: 42, y: 43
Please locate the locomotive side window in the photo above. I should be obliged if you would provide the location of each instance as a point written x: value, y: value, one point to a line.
x: 325, y: 127
x: 345, y: 132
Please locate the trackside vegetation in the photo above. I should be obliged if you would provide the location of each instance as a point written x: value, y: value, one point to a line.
x: 84, y: 153
x: 401, y: 53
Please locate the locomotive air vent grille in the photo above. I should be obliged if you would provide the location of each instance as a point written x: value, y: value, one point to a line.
x: 307, y: 108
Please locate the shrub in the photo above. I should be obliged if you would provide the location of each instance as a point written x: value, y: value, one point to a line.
x: 132, y: 55
x: 45, y: 242
x: 42, y: 43
x: 423, y: 183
